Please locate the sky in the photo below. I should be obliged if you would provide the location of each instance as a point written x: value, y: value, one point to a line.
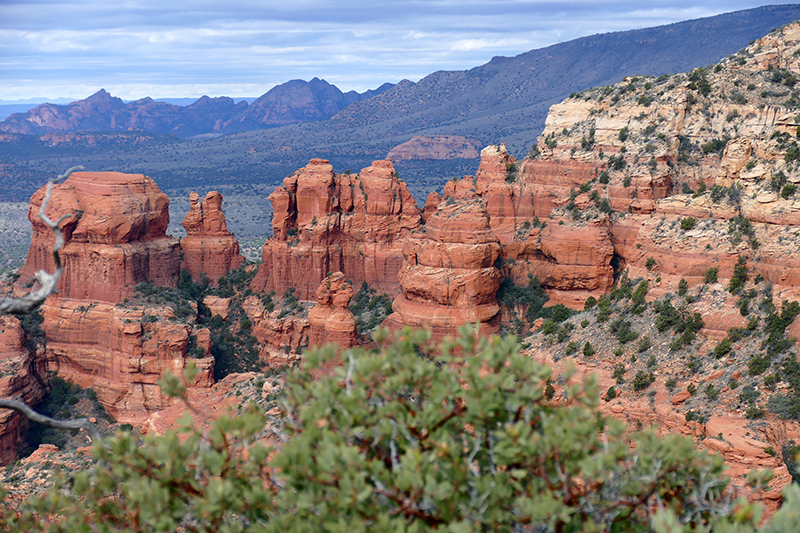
x: 52, y: 49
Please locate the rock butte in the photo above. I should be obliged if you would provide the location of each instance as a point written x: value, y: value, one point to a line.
x: 435, y: 147
x: 208, y: 248
x: 331, y: 320
x: 325, y: 222
x: 20, y: 371
x: 115, y: 239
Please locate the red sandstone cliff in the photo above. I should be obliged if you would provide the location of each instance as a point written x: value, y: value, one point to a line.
x: 208, y: 248
x: 120, y: 352
x: 20, y: 379
x: 115, y: 239
x: 448, y: 277
x: 325, y: 222
x: 435, y: 147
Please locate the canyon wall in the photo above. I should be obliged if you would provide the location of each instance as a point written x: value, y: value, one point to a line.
x: 21, y: 378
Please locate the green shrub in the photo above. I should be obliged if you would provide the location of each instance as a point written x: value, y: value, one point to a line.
x: 711, y: 275
x: 650, y: 263
x: 712, y: 392
x: 688, y: 223
x: 642, y: 380
x: 588, y: 351
x: 393, y: 441
x: 739, y: 275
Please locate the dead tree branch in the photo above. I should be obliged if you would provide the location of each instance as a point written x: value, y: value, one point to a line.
x: 31, y: 301
x: 47, y: 282
x: 30, y: 414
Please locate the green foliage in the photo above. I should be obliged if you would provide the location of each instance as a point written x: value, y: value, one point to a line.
x: 398, y: 441
x: 650, y: 263
x: 60, y: 402
x: 616, y: 162
x: 588, y: 351
x: 711, y: 275
x: 642, y: 380
x: 711, y: 392
x: 723, y: 348
x: 623, y: 331
x: 397, y: 455
x: 758, y: 364
x: 369, y: 308
x: 714, y: 146
x: 532, y: 296
x: 683, y: 286
x: 688, y: 223
x: 739, y: 275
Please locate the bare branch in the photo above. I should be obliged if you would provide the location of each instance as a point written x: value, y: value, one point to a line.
x: 47, y: 282
x: 30, y: 414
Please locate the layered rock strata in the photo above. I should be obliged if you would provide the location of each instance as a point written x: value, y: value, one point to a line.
x: 448, y: 277
x: 208, y: 248
x: 691, y: 171
x: 326, y: 222
x: 573, y: 261
x: 435, y: 147
x: 121, y: 352
x: 281, y: 336
x: 20, y: 379
x: 331, y: 320
x: 115, y: 238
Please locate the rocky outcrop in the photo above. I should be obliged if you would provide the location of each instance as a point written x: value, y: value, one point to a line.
x: 331, y: 320
x: 20, y: 379
x: 714, y: 148
x: 571, y: 260
x: 281, y: 336
x: 326, y: 222
x: 436, y: 147
x: 448, y: 277
x: 208, y: 248
x: 115, y: 238
x: 121, y: 352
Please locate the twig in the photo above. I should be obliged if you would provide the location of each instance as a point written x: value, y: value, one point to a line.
x: 25, y: 305
x: 30, y: 414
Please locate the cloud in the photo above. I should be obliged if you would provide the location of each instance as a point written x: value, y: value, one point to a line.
x: 215, y: 48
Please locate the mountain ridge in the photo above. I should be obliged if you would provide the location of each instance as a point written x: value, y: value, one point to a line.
x: 288, y: 103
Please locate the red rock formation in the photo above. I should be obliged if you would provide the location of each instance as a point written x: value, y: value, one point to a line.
x: 448, y: 277
x: 208, y: 248
x: 435, y: 147
x: 572, y: 260
x: 325, y: 222
x: 280, y: 337
x: 331, y: 320
x: 120, y: 352
x: 20, y: 379
x: 115, y: 239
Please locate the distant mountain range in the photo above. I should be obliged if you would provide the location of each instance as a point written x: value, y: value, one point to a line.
x: 504, y: 100
x: 289, y: 103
